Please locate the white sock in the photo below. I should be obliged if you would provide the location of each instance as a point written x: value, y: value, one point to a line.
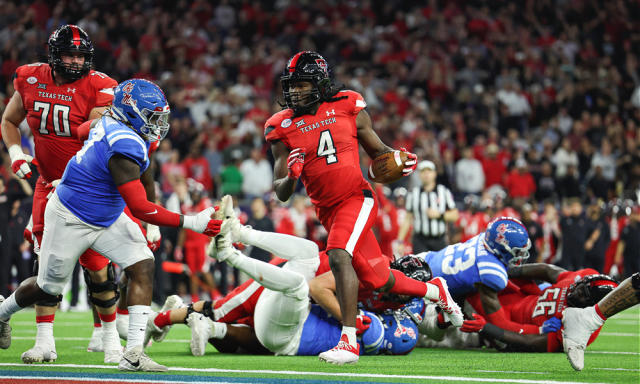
x: 433, y: 292
x: 122, y: 324
x: 110, y: 338
x: 44, y: 334
x: 265, y: 274
x: 284, y: 246
x: 218, y: 330
x: 138, y: 317
x: 351, y: 335
x: 8, y: 307
x: 594, y: 319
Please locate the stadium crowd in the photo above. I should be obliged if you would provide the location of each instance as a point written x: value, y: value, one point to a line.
x: 536, y: 96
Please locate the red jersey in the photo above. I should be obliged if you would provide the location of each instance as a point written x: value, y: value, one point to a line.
x: 524, y: 303
x: 329, y: 138
x: 472, y: 224
x: 54, y: 112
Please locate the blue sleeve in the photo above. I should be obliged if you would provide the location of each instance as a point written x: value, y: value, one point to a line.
x: 493, y: 275
x: 129, y: 144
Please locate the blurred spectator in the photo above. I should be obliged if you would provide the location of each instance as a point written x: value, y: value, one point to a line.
x: 628, y: 252
x: 259, y: 220
x: 231, y: 177
x: 598, y: 238
x: 563, y: 158
x: 494, y: 165
x: 386, y: 226
x: 469, y: 174
x: 551, y: 234
x: 257, y: 175
x: 520, y: 182
x: 573, y: 225
x: 197, y: 167
x: 569, y: 184
x: 534, y: 229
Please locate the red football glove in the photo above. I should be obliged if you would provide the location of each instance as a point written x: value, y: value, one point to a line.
x: 153, y: 237
x: 213, y: 228
x: 474, y: 325
x: 295, y: 162
x: 363, y: 322
x: 411, y: 163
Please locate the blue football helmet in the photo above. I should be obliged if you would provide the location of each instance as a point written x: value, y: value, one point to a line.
x: 508, y: 240
x: 400, y: 333
x: 142, y: 105
x: 371, y: 339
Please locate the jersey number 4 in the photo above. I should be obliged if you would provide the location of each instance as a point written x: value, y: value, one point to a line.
x: 60, y: 118
x: 326, y: 147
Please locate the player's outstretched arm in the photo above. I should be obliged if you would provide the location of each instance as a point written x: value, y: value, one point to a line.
x: 13, y: 115
x: 496, y: 315
x: 368, y: 138
x: 126, y: 176
x: 515, y: 342
x: 283, y: 184
x: 537, y: 271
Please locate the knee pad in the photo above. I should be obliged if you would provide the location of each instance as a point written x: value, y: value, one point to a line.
x: 50, y: 302
x: 109, y: 285
x: 635, y: 283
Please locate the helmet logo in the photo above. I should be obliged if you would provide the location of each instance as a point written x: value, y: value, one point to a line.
x: 126, y: 97
x: 322, y: 64
x: 402, y: 330
x: 500, y: 238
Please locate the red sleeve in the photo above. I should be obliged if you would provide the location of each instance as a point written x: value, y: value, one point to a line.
x: 498, y: 318
x: 135, y: 196
x: 83, y: 130
x: 276, y: 123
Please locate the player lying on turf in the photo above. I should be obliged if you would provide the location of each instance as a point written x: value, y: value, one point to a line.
x: 278, y: 313
x: 580, y: 323
x: 86, y: 211
x: 525, y: 303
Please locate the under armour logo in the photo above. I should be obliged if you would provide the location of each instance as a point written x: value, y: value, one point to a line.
x: 331, y: 112
x: 71, y: 90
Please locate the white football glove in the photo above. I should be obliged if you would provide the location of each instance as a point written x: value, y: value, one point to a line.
x: 203, y: 223
x: 20, y: 162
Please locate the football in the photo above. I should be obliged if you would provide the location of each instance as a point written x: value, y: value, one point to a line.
x: 387, y: 167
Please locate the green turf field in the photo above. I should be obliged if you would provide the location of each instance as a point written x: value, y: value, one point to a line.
x: 613, y: 358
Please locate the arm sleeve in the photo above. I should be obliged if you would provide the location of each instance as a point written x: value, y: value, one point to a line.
x: 500, y: 319
x: 134, y: 195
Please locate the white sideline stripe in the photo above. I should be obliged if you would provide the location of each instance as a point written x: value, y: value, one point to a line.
x: 95, y: 379
x: 624, y: 322
x: 614, y: 353
x: 533, y: 373
x: 618, y: 334
x: 330, y: 374
x: 618, y: 369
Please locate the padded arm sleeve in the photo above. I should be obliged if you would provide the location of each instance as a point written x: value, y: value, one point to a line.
x: 498, y: 318
x: 135, y: 196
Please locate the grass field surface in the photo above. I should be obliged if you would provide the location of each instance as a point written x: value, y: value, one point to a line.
x: 613, y: 358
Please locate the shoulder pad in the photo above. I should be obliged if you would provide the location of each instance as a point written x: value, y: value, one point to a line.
x: 354, y: 100
x: 275, y: 122
x: 125, y: 141
x: 493, y: 275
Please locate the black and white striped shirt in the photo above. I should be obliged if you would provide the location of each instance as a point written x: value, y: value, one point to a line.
x: 419, y: 201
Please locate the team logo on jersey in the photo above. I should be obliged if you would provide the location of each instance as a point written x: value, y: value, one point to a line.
x: 331, y: 112
x: 32, y: 80
x: 300, y: 123
x: 285, y: 123
x: 42, y: 86
x: 71, y: 90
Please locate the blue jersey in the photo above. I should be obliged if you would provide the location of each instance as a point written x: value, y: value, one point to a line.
x: 87, y: 188
x: 464, y: 264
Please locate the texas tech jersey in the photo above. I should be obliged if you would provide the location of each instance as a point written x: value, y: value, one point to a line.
x: 329, y: 138
x: 55, y: 112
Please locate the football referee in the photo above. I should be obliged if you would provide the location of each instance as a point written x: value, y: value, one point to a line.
x: 429, y: 208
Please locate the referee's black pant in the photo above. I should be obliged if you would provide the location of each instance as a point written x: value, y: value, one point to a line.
x: 423, y: 243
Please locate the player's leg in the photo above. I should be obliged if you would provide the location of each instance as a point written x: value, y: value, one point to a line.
x: 122, y: 317
x: 347, y: 225
x: 95, y: 342
x: 123, y: 243
x: 159, y: 332
x: 100, y: 278
x: 580, y: 323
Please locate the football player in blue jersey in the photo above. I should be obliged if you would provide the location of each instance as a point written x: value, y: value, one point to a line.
x: 86, y: 211
x: 480, y: 265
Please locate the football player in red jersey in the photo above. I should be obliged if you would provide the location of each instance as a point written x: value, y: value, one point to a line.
x: 55, y: 98
x: 316, y: 139
x: 525, y: 303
